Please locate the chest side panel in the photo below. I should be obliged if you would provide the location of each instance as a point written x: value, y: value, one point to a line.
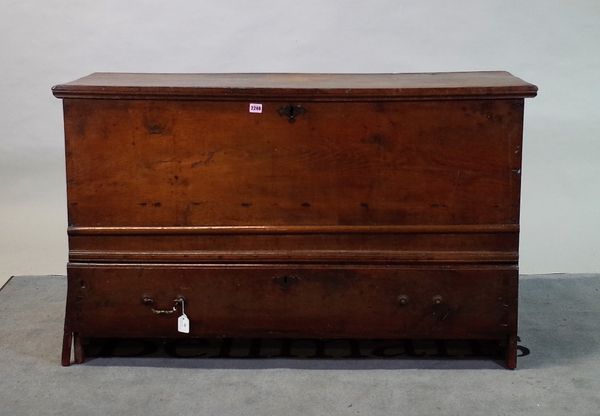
x: 188, y: 163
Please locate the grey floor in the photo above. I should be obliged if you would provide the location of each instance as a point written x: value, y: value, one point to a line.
x: 559, y: 323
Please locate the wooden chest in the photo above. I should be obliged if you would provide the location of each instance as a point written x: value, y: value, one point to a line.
x: 293, y: 205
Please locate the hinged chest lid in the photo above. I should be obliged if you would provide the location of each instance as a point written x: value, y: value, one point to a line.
x: 317, y: 87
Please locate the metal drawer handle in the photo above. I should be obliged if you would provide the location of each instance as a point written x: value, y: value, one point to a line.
x: 149, y: 302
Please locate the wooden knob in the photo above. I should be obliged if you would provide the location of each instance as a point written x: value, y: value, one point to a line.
x: 403, y: 299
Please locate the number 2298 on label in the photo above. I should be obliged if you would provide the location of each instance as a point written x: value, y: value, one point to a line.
x: 255, y: 108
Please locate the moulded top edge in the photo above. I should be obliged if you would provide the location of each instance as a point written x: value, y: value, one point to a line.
x: 306, y: 86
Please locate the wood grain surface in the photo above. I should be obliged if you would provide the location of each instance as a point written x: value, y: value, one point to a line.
x: 313, y: 87
x: 185, y: 163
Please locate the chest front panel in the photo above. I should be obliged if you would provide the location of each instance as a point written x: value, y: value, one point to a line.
x: 188, y: 163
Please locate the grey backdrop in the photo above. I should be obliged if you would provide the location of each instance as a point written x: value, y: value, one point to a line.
x: 553, y: 44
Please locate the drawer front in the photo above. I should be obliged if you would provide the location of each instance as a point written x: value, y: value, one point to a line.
x: 299, y: 301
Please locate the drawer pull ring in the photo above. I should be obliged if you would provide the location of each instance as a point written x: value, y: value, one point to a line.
x: 149, y: 302
x: 291, y: 111
x: 437, y: 300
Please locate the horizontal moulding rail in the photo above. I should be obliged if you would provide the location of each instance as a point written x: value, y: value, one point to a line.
x: 297, y: 229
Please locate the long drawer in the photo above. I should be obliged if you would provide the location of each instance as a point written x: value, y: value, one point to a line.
x: 293, y: 300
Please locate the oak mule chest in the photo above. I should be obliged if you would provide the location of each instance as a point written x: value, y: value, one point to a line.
x: 293, y: 205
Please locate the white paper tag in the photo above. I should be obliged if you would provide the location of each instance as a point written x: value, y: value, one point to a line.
x: 183, y: 324
x: 255, y: 108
